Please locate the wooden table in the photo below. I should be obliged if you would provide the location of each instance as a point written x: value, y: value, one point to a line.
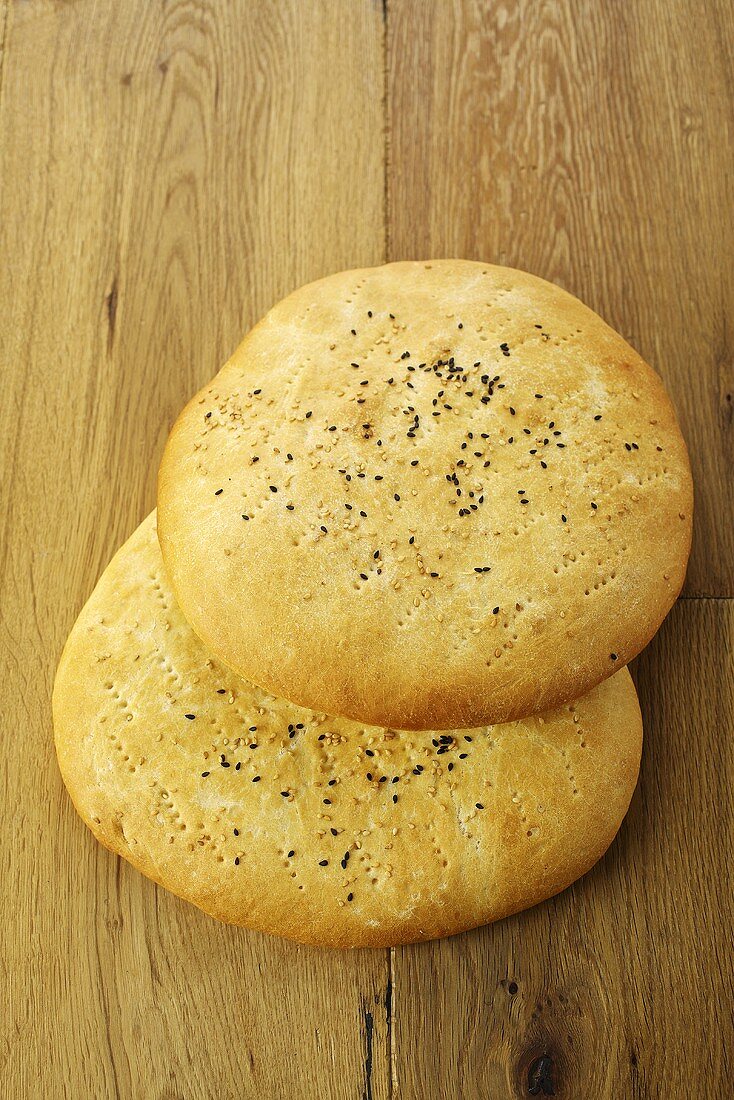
x: 169, y: 170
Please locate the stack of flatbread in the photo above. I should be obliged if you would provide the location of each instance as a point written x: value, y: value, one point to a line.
x: 361, y: 680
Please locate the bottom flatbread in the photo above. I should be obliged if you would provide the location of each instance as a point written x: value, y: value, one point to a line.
x: 317, y: 828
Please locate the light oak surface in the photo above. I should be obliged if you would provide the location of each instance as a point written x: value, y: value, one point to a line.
x: 170, y: 169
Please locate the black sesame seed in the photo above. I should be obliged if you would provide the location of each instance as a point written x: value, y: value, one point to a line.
x: 613, y: 656
x: 218, y: 492
x: 479, y: 805
x: 291, y: 853
x: 256, y: 779
x: 350, y: 897
x: 204, y: 775
x: 323, y: 863
x: 190, y: 717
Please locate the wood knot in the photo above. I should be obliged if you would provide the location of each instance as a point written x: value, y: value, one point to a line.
x: 540, y: 1076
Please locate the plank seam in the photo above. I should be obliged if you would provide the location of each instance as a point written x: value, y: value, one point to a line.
x: 4, y: 21
x: 390, y: 997
x: 693, y: 596
x: 386, y: 129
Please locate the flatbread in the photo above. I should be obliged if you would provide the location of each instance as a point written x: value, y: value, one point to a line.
x: 428, y: 495
x: 317, y: 828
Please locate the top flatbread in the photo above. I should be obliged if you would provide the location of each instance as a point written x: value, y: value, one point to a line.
x: 428, y: 495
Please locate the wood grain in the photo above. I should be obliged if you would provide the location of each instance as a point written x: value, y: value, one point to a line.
x: 624, y: 981
x: 169, y: 170
x: 589, y: 143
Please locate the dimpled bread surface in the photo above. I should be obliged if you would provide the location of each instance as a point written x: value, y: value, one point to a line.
x: 311, y: 827
x: 428, y: 495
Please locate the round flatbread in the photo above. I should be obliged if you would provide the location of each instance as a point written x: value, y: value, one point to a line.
x: 427, y: 495
x: 311, y: 827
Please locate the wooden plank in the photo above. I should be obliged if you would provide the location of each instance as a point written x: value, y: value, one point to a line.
x: 591, y: 144
x: 169, y: 170
x: 624, y: 981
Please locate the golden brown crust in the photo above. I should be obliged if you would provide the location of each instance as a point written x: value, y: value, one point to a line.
x: 305, y: 573
x: 423, y: 859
